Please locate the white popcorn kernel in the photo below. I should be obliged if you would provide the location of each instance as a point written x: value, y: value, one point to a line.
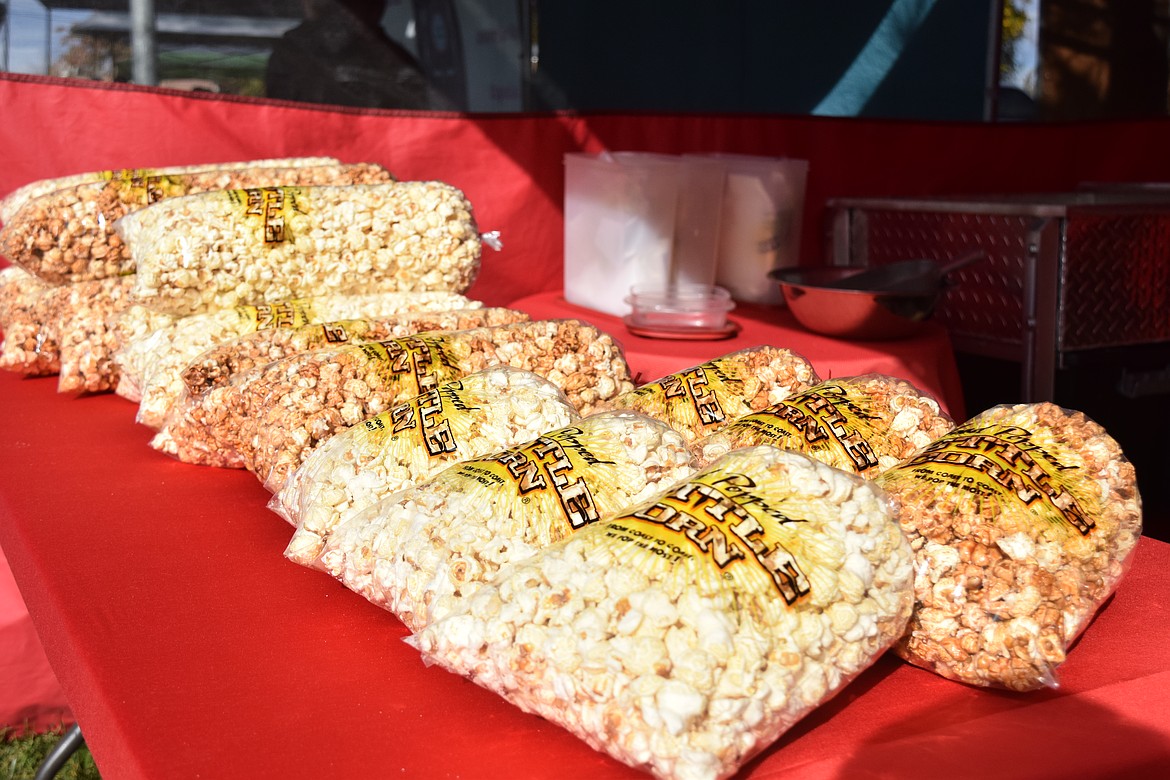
x: 446, y: 535
x: 678, y: 705
x: 693, y: 650
x: 268, y: 227
x: 390, y: 452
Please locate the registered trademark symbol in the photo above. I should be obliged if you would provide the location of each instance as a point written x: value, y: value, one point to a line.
x: 525, y: 500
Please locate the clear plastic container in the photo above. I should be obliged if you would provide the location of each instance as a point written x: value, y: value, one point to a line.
x: 760, y: 221
x: 700, y: 307
x: 638, y: 218
x: 619, y: 225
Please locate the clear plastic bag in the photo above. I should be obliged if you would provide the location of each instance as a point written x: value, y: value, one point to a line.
x: 420, y: 551
x: 15, y: 200
x: 20, y: 294
x: 689, y: 632
x: 216, y: 250
x: 18, y: 290
x: 267, y: 419
x: 86, y: 337
x: 70, y: 234
x: 1023, y: 521
x: 214, y: 428
x: 483, y: 412
x: 129, y: 327
x: 704, y: 398
x: 215, y: 367
x: 864, y: 424
x: 163, y: 356
x: 353, y: 385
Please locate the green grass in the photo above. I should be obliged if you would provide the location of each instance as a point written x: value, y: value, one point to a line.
x: 21, y: 755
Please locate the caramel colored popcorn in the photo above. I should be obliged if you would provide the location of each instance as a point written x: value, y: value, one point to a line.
x: 270, y: 417
x: 215, y: 367
x: 70, y: 235
x: 156, y: 363
x: 1023, y: 521
x: 331, y: 390
x: 21, y: 323
x: 863, y: 424
x: 15, y: 200
x: 86, y: 334
x: 706, y: 397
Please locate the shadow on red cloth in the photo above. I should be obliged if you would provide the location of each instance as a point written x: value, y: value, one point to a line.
x: 31, y: 699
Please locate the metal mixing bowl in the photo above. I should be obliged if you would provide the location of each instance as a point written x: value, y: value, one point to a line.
x: 853, y: 314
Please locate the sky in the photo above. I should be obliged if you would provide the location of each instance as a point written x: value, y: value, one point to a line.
x: 1025, y: 76
x: 25, y: 35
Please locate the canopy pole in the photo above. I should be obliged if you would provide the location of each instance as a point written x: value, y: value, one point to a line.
x: 7, y: 36
x: 143, y: 45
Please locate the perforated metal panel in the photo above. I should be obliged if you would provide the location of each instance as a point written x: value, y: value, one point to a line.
x: 1116, y: 280
x: 984, y: 299
x: 1060, y: 274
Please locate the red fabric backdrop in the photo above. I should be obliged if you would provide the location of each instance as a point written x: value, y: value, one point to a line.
x: 511, y: 167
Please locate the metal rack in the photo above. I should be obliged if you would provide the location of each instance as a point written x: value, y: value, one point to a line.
x: 1064, y: 274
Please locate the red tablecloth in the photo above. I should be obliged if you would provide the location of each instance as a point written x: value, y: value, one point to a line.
x: 926, y: 360
x: 30, y: 696
x: 189, y: 647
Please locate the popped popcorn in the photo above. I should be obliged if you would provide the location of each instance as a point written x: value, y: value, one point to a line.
x: 864, y: 424
x: 17, y: 288
x: 156, y: 363
x: 483, y: 412
x: 69, y: 235
x: 15, y: 200
x: 268, y: 418
x: 215, y: 367
x: 324, y: 396
x: 418, y: 552
x: 688, y: 633
x: 20, y: 293
x: 32, y: 332
x: 87, y: 340
x: 1023, y: 520
x: 221, y: 249
x: 704, y: 398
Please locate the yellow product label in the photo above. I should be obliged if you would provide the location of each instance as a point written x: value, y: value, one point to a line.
x: 143, y: 187
x: 702, y: 396
x: 730, y: 526
x: 282, y: 314
x: 414, y: 365
x: 832, y: 422
x: 127, y: 173
x: 342, y: 331
x: 272, y: 210
x: 439, y: 421
x: 1000, y: 463
x: 563, y: 480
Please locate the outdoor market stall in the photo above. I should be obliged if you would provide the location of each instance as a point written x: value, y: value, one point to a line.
x: 188, y: 646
